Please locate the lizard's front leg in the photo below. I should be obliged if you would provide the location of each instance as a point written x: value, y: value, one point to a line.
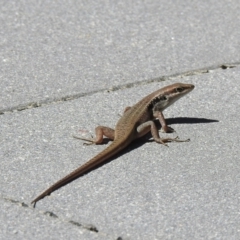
x: 165, y: 128
x: 100, y: 132
x: 150, y: 126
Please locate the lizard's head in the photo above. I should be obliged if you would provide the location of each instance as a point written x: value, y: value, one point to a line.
x: 169, y: 94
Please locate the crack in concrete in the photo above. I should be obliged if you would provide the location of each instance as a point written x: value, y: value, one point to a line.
x: 49, y: 101
x: 89, y: 227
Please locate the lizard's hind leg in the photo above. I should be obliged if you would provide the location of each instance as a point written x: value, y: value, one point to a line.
x: 100, y: 132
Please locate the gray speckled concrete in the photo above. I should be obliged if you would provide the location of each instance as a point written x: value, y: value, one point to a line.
x: 89, y: 53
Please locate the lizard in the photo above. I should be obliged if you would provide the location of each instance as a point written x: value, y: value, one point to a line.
x: 135, y: 122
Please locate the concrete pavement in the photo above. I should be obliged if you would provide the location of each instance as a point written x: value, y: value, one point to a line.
x: 66, y: 68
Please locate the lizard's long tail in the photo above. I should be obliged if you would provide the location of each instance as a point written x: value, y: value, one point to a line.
x: 107, y: 153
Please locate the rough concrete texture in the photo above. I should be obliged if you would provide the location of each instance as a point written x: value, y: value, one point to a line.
x: 66, y: 67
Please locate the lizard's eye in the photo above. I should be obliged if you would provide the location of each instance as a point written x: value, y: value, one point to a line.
x: 179, y: 89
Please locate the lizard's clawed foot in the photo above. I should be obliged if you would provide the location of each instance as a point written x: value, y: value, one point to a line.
x: 176, y: 139
x: 88, y: 141
x: 167, y: 129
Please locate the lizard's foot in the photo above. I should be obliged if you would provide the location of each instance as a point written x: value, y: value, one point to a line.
x: 176, y: 139
x: 88, y: 141
x: 167, y: 129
